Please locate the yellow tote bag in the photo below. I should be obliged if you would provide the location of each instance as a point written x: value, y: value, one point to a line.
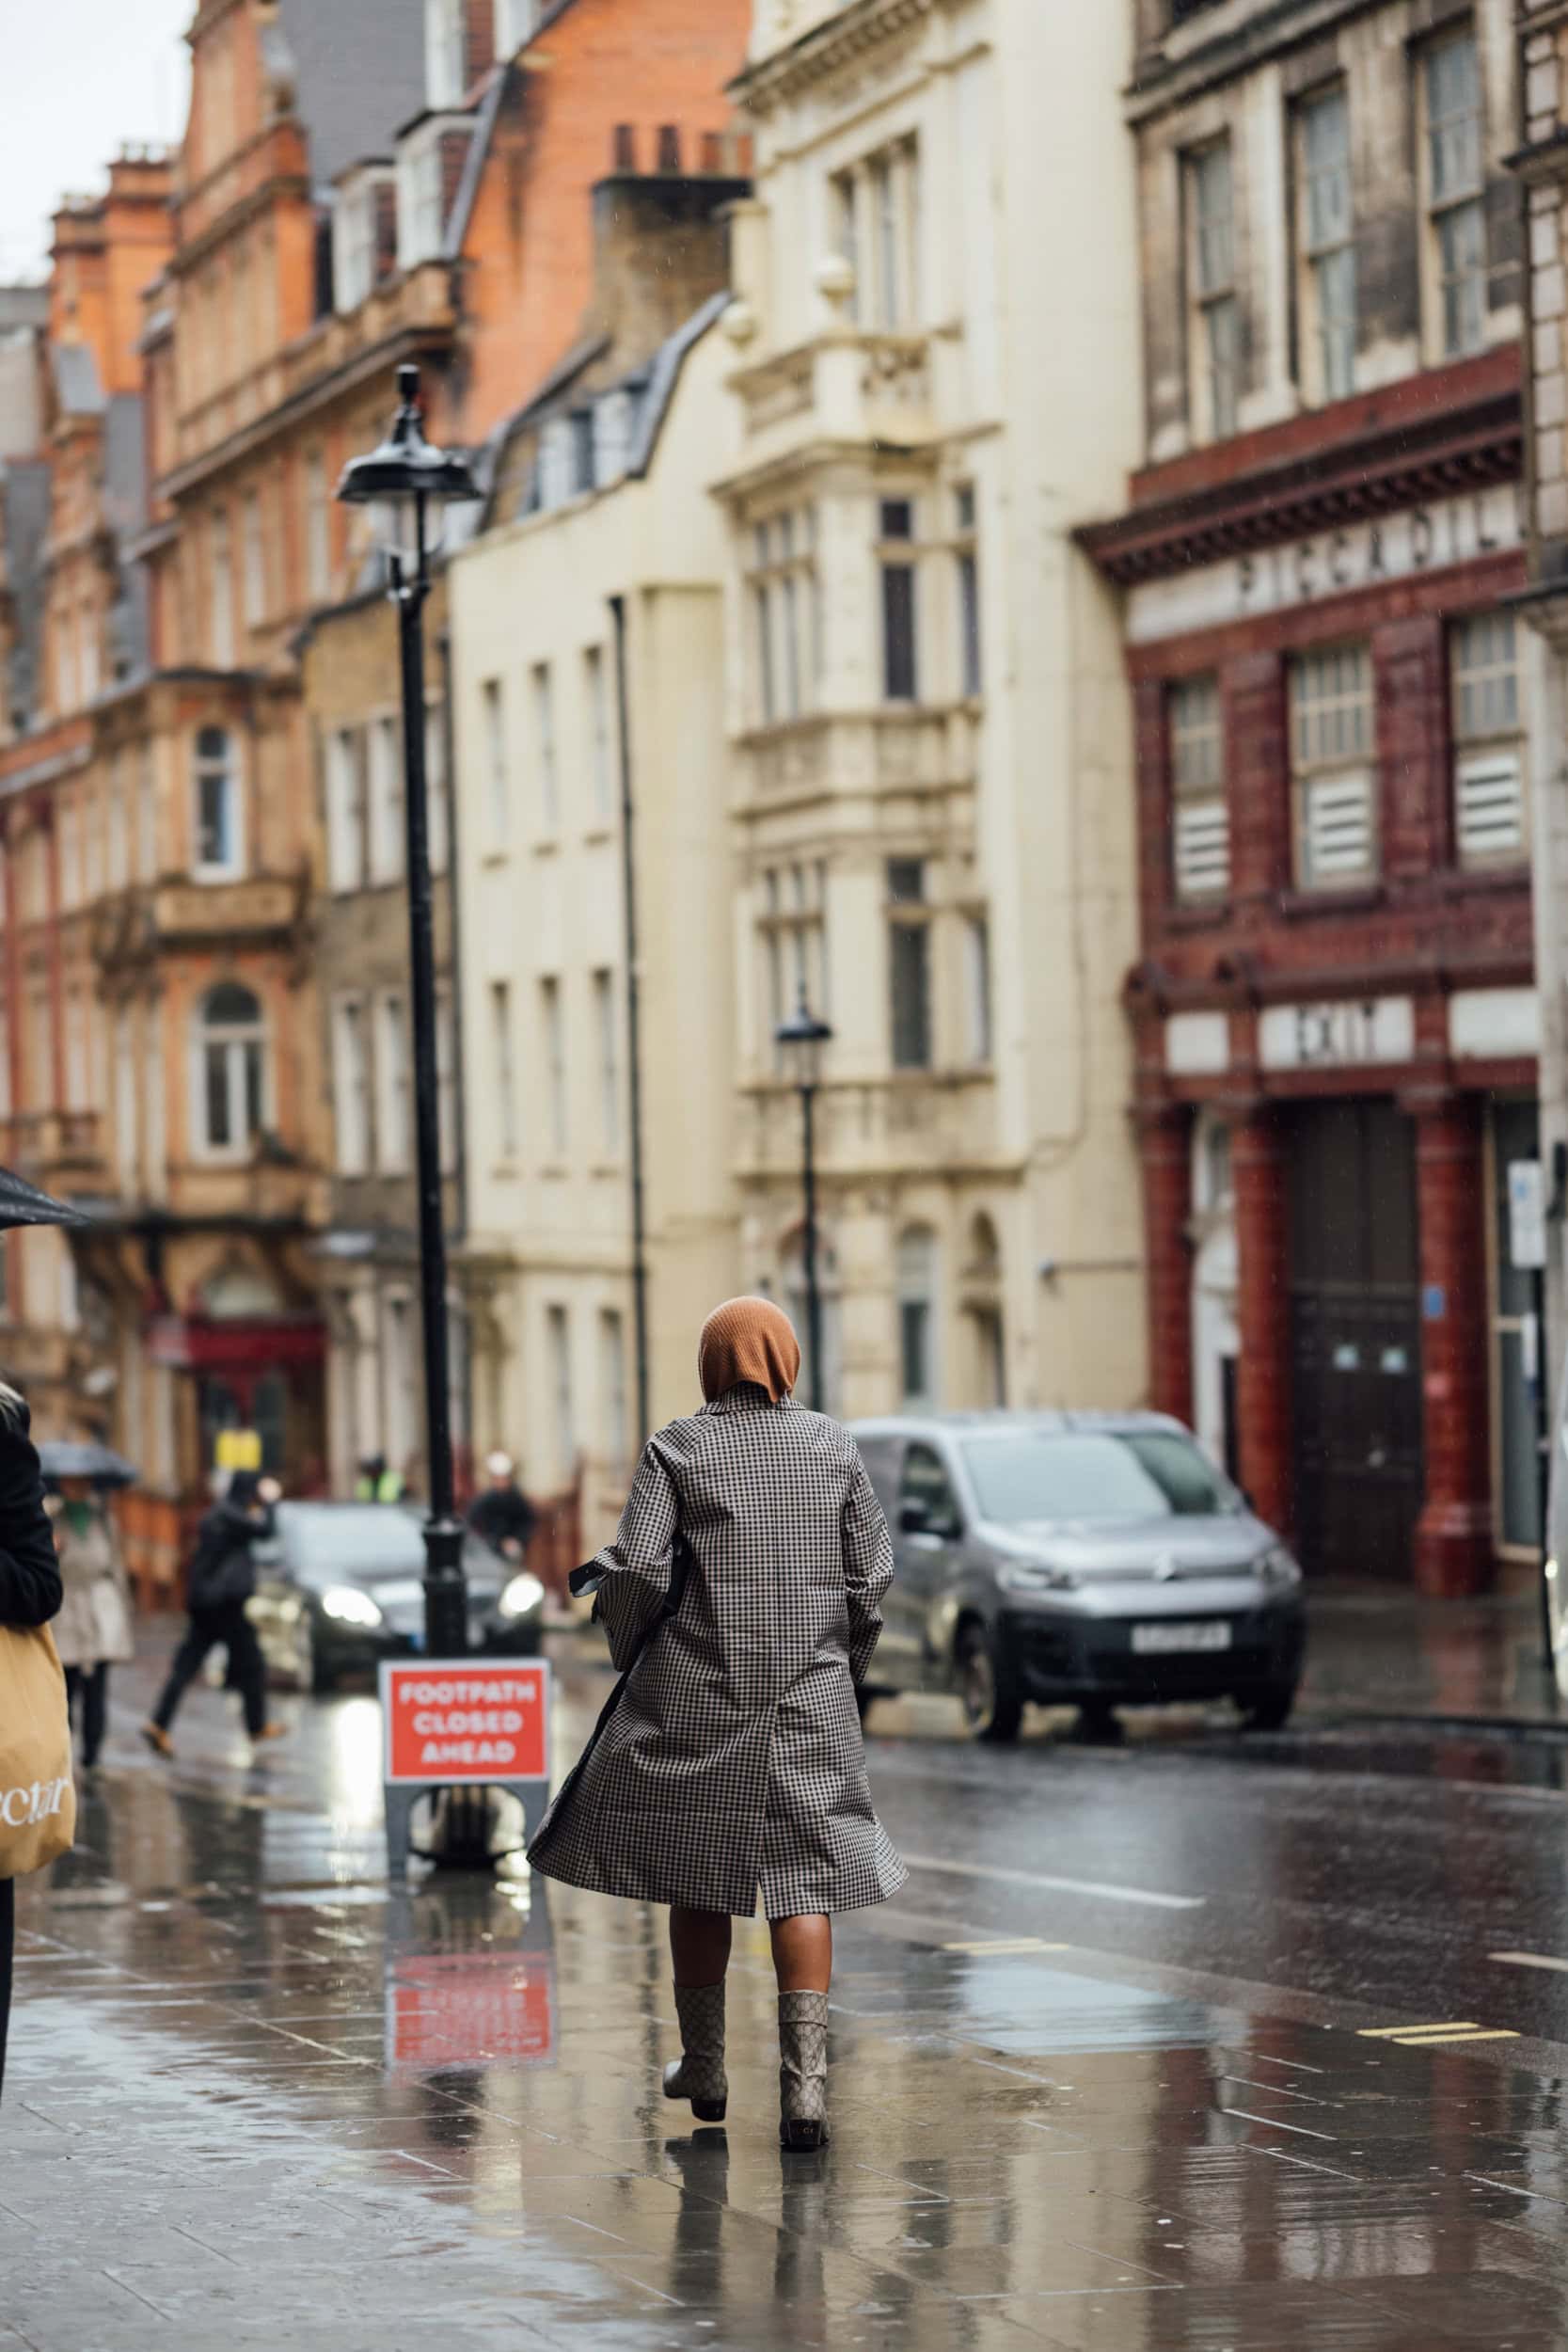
x: 37, y: 1795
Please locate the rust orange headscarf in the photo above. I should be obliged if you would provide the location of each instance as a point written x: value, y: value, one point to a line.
x: 750, y: 1340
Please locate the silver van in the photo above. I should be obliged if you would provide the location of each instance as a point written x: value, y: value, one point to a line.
x: 1097, y: 1560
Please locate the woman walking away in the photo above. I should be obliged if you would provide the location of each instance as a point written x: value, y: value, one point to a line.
x: 92, y: 1631
x: 29, y: 1596
x: 222, y: 1580
x: 741, y: 1599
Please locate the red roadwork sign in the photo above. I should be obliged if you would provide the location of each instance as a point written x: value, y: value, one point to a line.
x: 468, y: 1720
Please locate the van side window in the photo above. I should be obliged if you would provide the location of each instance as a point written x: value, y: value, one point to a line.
x: 927, y: 1484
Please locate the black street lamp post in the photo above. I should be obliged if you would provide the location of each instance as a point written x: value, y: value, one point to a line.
x: 404, y: 478
x: 802, y: 1041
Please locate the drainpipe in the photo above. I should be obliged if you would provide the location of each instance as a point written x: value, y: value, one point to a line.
x: 634, y: 1024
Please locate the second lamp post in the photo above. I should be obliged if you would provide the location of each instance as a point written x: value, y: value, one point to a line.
x: 401, y: 482
x: 802, y: 1041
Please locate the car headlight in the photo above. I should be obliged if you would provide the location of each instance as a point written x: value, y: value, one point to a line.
x: 350, y: 1605
x: 520, y: 1595
x: 1277, y: 1569
x: 1022, y: 1575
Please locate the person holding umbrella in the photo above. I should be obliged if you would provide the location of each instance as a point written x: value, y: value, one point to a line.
x: 92, y: 1631
x: 222, y: 1580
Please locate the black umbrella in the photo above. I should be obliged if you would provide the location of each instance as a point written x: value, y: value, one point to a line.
x: 22, y: 1203
x: 84, y: 1457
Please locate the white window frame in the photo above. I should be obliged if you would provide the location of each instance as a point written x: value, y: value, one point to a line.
x: 345, y: 761
x: 1326, y: 236
x: 1333, y: 721
x: 1214, y: 305
x: 351, y: 1082
x: 234, y: 1038
x: 385, y: 857
x: 1199, y: 802
x: 394, y: 1084
x: 919, y: 1287
x: 446, y: 52
x: 1490, y: 812
x: 206, y: 767
x: 784, y: 595
x: 1454, y: 192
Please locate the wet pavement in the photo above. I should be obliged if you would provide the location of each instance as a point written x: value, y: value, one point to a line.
x: 1199, y: 2041
x: 1382, y: 1650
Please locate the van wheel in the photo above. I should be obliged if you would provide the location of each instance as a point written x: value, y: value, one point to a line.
x: 988, y: 1688
x: 1268, y: 1709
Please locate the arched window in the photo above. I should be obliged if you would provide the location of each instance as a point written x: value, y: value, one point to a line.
x: 219, y: 854
x: 231, y: 1076
x: 917, y: 1317
x: 795, y: 1306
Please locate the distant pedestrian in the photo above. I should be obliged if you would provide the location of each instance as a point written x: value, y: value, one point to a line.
x: 30, y: 1594
x: 500, y: 1514
x: 377, y: 1482
x: 92, y: 1631
x: 742, y: 1597
x: 222, y: 1579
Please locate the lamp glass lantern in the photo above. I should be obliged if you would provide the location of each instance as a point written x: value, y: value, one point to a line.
x: 403, y: 479
x: 803, y: 1039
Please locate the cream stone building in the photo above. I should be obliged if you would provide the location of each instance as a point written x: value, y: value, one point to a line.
x: 587, y: 657
x: 936, y: 371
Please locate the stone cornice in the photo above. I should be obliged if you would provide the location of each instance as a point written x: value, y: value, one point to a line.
x: 826, y: 49
x: 1401, y: 465
x: 1220, y: 53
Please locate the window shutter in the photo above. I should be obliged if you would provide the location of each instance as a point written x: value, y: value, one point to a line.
x: 1202, y: 847
x: 1489, y: 813
x: 1337, y: 828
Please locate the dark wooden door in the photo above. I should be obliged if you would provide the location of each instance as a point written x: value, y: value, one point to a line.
x: 1356, y: 1338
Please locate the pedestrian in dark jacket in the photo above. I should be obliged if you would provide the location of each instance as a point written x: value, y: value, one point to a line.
x: 732, y: 1765
x: 502, y: 1515
x: 30, y: 1593
x: 221, y: 1580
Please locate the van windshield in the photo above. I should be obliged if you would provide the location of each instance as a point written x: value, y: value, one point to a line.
x: 1092, y: 1475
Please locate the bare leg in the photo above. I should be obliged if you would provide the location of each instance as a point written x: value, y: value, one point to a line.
x: 699, y: 1945
x: 804, y: 1951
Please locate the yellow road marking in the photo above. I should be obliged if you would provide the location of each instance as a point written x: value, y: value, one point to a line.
x: 1436, y: 2037
x: 1392, y: 2033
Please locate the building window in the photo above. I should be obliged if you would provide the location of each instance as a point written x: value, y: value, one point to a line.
x: 553, y: 1030
x: 794, y: 930
x: 421, y: 209
x: 221, y: 589
x: 1332, y: 766
x: 783, y: 589
x: 1201, y: 813
x: 219, y: 856
x: 231, y: 1109
x: 916, y: 1286
x: 446, y: 52
x: 606, y: 1027
x: 1488, y: 765
x: 318, y: 528
x: 445, y: 1076
x: 516, y: 21
x: 612, y: 1386
x: 345, y: 829
x: 879, y: 207
x: 503, y: 1071
x: 909, y: 963
x: 1328, y: 244
x: 437, y: 789
x: 351, y: 1086
x: 498, y: 799
x: 119, y: 825
x: 978, y: 990
x: 896, y: 557
x: 1450, y: 81
x: 1216, y: 320
x: 596, y: 691
x: 559, y: 1350
x: 544, y: 744
x: 386, y: 801
x: 393, y: 1103
x: 255, y: 560
x: 967, y: 572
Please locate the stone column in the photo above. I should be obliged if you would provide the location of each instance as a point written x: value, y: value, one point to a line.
x: 1166, y: 1144
x: 1454, y: 1535
x: 1263, y: 1371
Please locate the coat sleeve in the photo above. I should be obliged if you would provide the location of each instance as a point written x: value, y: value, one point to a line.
x: 636, y: 1568
x: 30, y: 1592
x: 867, y: 1567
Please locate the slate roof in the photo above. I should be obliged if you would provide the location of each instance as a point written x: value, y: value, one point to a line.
x: 76, y: 384
x: 357, y: 67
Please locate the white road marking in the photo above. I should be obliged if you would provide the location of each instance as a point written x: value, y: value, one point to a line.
x: 1005, y: 1945
x: 1530, y: 1959
x: 1273, y: 2124
x: 1055, y: 1886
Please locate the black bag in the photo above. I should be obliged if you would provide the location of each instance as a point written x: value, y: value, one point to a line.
x: 588, y: 1579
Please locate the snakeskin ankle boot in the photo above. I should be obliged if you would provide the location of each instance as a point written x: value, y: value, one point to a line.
x: 803, y: 2070
x: 698, y: 2074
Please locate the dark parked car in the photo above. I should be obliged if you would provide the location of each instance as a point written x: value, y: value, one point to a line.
x: 1095, y: 1560
x: 341, y: 1587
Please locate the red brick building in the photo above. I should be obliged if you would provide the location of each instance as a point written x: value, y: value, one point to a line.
x: 1334, y: 1002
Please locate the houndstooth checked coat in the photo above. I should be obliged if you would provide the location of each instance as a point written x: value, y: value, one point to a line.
x: 734, y: 1761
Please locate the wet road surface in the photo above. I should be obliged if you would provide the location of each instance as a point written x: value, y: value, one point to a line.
x: 1197, y: 2042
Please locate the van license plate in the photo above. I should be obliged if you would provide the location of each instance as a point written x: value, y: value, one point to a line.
x: 1162, y: 1641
